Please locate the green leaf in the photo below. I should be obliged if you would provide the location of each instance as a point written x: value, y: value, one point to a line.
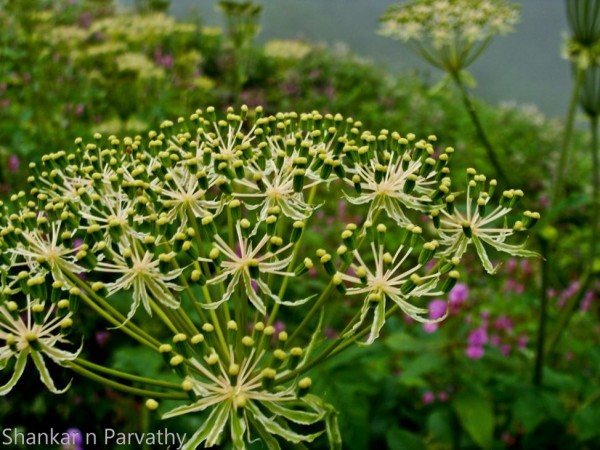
x: 439, y: 426
x: 529, y: 412
x: 422, y: 365
x: 586, y: 421
x: 399, y: 439
x: 476, y: 415
x: 137, y: 360
x: 403, y: 342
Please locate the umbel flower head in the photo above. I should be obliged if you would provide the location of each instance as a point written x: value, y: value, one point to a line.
x: 211, y: 228
x: 450, y: 34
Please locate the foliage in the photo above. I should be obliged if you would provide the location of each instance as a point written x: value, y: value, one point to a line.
x: 76, y: 68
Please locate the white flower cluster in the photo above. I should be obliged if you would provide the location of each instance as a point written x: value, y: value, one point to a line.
x: 446, y: 30
x: 211, y: 225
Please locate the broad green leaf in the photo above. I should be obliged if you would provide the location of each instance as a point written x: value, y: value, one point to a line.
x: 401, y: 341
x: 476, y: 414
x: 586, y: 421
x: 529, y: 410
x: 399, y: 439
x: 17, y: 372
x: 423, y: 364
x: 439, y: 426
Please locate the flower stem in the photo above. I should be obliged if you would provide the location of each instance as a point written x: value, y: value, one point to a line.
x: 73, y: 365
x: 491, y: 153
x: 108, y: 313
x: 337, y: 346
x: 564, y: 149
x: 315, y: 308
x: 595, y: 190
x: 292, y: 264
x: 127, y: 376
x: 586, y: 278
x: 567, y: 312
x: 538, y: 367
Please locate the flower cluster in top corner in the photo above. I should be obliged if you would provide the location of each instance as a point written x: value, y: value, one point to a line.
x: 209, y: 226
x: 449, y: 28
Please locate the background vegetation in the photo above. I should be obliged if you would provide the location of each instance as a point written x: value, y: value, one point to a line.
x: 72, y: 68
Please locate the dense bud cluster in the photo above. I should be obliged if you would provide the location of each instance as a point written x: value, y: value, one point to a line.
x: 450, y: 34
x: 211, y: 223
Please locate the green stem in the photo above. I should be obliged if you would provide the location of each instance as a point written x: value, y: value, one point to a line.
x: 491, y: 153
x: 564, y: 149
x: 292, y: 265
x: 315, y: 308
x: 567, y: 312
x: 595, y: 203
x: 586, y: 278
x: 163, y: 316
x: 122, y: 387
x: 337, y: 346
x: 127, y: 376
x: 217, y: 321
x: 102, y: 307
x: 540, y: 353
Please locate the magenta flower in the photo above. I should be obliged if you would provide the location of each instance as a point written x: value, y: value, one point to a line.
x: 587, y: 301
x: 478, y: 337
x: 430, y: 327
x: 437, y: 309
x: 503, y: 323
x: 428, y: 397
x: 495, y: 340
x: 459, y: 294
x: 522, y: 342
x: 475, y: 352
x: 13, y: 163
x: 102, y: 337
